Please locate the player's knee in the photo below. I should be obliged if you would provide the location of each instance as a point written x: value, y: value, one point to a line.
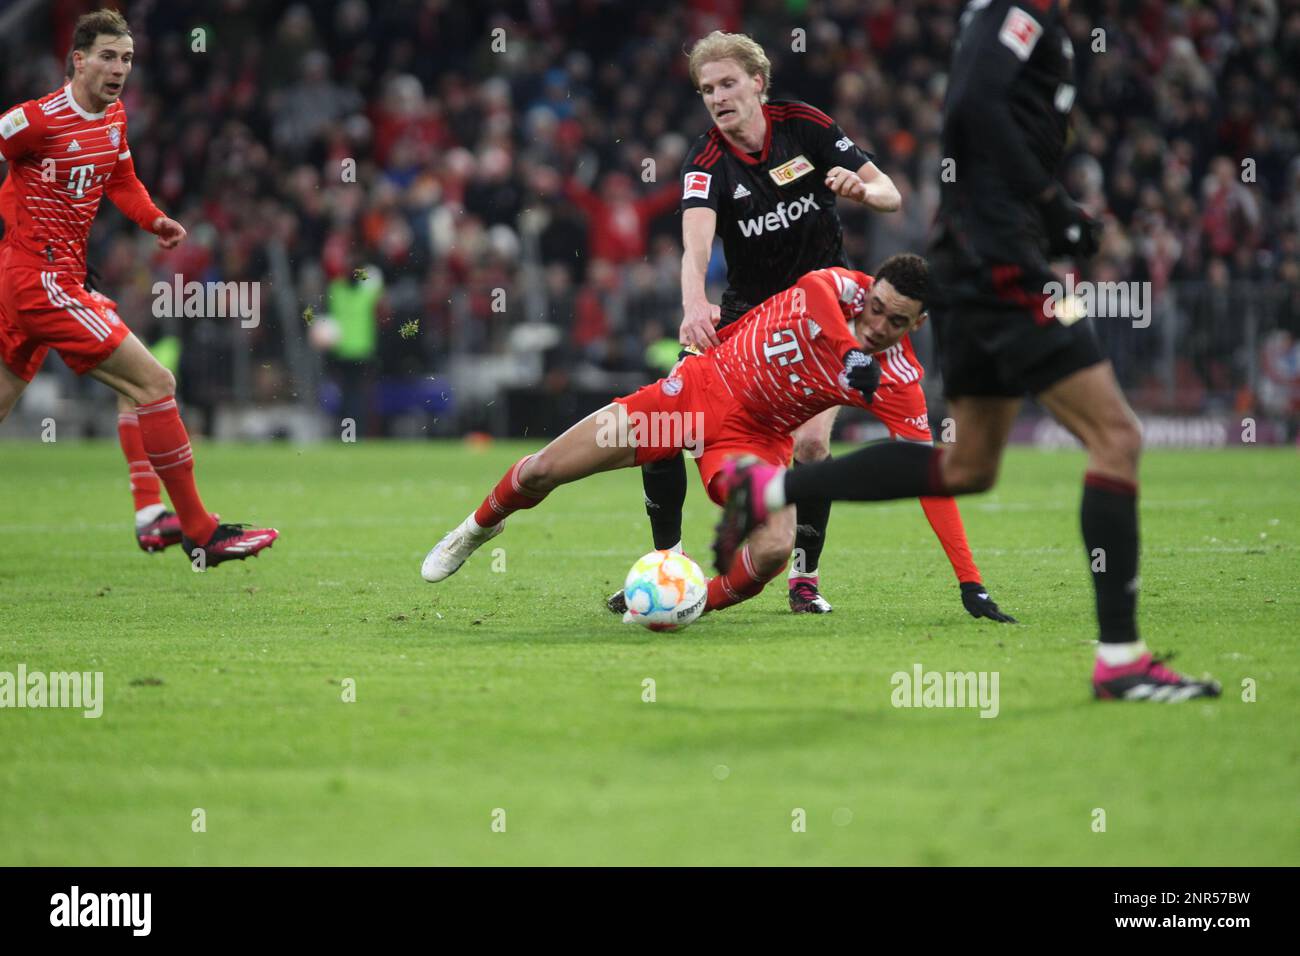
x: 968, y: 477
x: 1115, y: 443
x: 1123, y: 440
x: 770, y: 551
x: 769, y: 557
x: 158, y: 384
x: 538, y: 475
x: 811, y: 449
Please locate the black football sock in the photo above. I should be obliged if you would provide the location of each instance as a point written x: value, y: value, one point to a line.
x: 665, y: 494
x: 1110, y: 535
x: 879, y: 472
x: 811, y: 518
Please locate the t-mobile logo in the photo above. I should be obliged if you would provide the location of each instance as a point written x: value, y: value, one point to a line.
x: 783, y: 340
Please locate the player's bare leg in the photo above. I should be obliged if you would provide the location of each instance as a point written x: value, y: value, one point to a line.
x: 812, y: 443
x: 759, y: 561
x: 1090, y: 404
x: 981, y: 427
x: 597, y: 443
x: 134, y: 372
x: 11, y: 389
x: 878, y: 472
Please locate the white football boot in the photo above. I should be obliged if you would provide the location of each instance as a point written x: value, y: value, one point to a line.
x: 450, y: 553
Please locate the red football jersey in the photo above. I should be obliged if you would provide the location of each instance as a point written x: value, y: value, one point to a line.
x: 62, y: 159
x: 783, y: 360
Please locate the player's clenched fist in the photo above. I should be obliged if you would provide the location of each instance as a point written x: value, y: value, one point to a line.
x: 846, y: 183
x: 698, y: 327
x: 862, y: 372
x: 170, y: 233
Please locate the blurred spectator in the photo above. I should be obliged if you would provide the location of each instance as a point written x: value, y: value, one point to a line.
x: 353, y: 302
x: 313, y: 135
x: 618, y: 221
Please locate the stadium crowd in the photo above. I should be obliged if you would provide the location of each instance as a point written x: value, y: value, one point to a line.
x: 508, y: 165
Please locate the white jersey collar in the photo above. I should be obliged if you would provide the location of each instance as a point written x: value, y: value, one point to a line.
x: 76, y: 107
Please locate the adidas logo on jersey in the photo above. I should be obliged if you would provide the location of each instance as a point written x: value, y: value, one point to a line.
x: 780, y: 219
x: 740, y: 193
x: 74, y: 147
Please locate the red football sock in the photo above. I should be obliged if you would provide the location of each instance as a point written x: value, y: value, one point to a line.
x: 740, y: 583
x: 145, y: 488
x: 506, y: 498
x: 167, y: 444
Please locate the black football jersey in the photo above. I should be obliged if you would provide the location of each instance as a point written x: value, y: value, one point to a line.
x: 776, y: 217
x: 1006, y: 119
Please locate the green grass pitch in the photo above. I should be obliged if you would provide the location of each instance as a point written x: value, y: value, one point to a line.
x: 512, y: 687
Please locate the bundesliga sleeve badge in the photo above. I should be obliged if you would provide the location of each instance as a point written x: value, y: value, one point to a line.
x: 1020, y: 33
x: 697, y: 186
x: 12, y: 122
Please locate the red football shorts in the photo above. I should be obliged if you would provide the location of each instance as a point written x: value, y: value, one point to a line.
x: 42, y: 310
x: 692, y: 410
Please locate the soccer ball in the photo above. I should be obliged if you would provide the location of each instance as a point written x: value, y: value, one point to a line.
x: 665, y: 591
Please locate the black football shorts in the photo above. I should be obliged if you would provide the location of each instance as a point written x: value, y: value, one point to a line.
x: 994, y: 336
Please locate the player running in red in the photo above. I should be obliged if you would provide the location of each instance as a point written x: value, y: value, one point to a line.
x: 65, y: 152
x: 156, y: 528
x: 798, y: 353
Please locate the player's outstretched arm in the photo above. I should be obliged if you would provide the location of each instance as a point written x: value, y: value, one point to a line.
x: 128, y: 194
x: 995, y: 46
x: 945, y: 520
x: 834, y: 299
x: 170, y: 233
x: 869, y: 186
x: 996, y: 43
x: 700, y: 317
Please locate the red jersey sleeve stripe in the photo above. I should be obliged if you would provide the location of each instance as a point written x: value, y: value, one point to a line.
x: 786, y: 113
x: 809, y: 108
x: 809, y: 113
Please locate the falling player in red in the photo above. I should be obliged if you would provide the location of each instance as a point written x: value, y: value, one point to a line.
x: 899, y: 404
x: 798, y: 353
x: 65, y: 152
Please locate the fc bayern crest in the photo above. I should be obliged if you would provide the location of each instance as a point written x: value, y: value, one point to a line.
x: 114, y: 135
x: 671, y: 386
